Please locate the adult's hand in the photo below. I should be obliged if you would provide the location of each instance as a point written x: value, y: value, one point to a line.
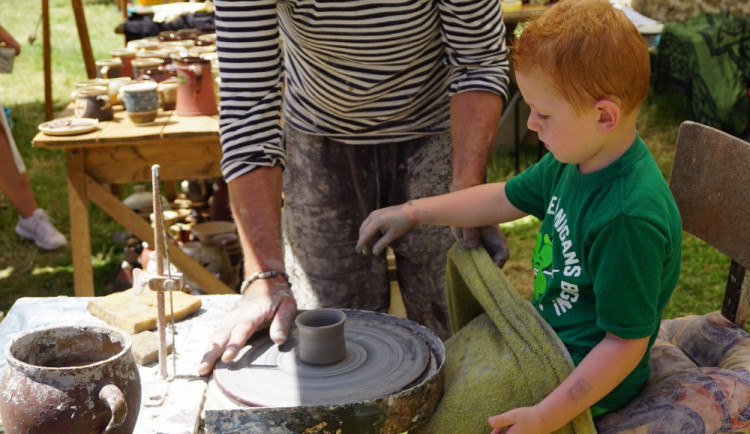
x: 265, y: 302
x: 491, y: 237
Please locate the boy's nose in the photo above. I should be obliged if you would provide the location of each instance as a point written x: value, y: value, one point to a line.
x: 531, y: 122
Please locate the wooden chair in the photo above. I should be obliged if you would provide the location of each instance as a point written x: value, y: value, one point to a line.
x: 700, y: 364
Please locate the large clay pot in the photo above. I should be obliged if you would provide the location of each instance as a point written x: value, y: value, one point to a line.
x: 195, y: 95
x: 70, y: 379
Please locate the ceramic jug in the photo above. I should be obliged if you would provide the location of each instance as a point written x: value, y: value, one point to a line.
x: 70, y: 379
x: 195, y: 94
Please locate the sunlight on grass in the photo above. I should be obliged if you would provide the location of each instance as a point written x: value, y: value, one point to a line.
x: 44, y: 270
x: 6, y: 272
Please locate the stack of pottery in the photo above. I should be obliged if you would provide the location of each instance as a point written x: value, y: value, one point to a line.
x: 182, y: 64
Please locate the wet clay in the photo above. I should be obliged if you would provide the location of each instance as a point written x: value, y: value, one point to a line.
x: 70, y: 379
x: 321, y: 336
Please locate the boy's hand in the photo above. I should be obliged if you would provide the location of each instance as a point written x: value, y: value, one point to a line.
x: 390, y: 223
x: 523, y: 420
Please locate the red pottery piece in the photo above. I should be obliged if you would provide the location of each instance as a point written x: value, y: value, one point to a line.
x: 195, y: 94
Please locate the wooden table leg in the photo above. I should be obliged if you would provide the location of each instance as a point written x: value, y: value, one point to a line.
x: 80, y: 234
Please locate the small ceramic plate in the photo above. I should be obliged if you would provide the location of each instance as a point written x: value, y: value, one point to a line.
x: 68, y: 127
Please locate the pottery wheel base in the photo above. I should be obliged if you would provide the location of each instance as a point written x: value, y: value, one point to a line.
x: 382, y: 358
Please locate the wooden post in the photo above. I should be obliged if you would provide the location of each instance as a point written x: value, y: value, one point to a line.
x: 48, y: 114
x: 83, y: 37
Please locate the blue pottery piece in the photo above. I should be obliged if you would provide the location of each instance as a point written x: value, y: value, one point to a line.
x: 140, y: 97
x: 141, y: 101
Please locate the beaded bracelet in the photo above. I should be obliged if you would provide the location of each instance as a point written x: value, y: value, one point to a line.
x: 263, y: 275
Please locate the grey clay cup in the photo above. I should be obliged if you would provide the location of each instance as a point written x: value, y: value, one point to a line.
x: 321, y: 336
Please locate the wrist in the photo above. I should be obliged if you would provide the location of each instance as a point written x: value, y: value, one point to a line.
x: 262, y: 275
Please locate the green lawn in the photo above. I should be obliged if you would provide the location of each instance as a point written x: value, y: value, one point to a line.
x: 27, y: 271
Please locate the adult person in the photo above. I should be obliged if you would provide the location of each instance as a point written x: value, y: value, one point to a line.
x: 33, y: 222
x: 380, y: 97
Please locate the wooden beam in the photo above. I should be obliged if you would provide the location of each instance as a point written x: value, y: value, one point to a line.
x: 141, y: 229
x: 83, y: 37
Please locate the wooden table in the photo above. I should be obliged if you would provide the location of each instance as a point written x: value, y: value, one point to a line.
x: 120, y: 152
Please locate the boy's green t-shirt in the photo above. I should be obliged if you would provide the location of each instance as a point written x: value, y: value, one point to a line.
x: 607, y: 255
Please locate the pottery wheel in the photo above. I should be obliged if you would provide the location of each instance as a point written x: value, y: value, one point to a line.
x: 382, y: 358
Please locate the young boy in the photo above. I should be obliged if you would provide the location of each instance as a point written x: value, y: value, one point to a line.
x: 608, y: 250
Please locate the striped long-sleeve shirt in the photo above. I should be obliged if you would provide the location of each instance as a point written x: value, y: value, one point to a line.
x: 358, y: 71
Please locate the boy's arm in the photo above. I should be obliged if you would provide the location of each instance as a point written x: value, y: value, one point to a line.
x: 478, y: 206
x: 597, y: 375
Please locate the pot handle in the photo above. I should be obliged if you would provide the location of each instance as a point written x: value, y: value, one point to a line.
x: 117, y: 405
x: 197, y: 70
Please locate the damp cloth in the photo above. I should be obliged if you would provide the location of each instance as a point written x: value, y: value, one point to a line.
x: 502, y: 355
x: 134, y: 313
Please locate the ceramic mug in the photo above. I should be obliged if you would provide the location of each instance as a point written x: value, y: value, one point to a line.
x: 93, y: 102
x: 126, y: 55
x: 115, y: 85
x: 141, y: 101
x: 70, y: 379
x: 168, y: 93
x: 109, y: 68
x: 148, y: 68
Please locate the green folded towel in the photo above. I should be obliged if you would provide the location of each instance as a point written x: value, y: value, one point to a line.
x: 503, y: 355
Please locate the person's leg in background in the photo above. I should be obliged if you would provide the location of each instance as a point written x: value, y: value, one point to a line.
x: 33, y: 222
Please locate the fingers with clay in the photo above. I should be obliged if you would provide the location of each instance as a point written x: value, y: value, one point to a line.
x: 383, y: 226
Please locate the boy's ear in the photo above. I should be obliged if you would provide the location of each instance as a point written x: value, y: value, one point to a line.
x: 609, y: 114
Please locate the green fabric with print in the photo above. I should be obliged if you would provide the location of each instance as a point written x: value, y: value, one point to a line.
x: 707, y: 59
x: 505, y: 358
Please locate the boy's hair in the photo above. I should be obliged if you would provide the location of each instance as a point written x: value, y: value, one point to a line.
x: 588, y: 49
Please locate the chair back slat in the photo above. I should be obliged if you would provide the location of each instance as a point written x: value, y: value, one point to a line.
x: 710, y: 182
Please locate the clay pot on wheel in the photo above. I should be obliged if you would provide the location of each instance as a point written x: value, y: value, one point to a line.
x: 70, y: 379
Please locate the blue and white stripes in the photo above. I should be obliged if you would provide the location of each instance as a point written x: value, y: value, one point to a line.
x: 358, y: 71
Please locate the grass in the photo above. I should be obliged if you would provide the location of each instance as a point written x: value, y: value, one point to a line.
x: 25, y: 271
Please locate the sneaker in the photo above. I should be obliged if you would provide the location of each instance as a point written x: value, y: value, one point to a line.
x: 39, y: 229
